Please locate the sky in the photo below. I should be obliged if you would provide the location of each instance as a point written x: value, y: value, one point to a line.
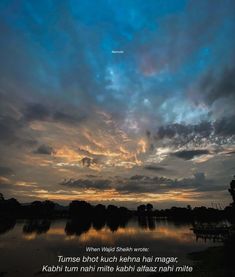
x: 117, y: 102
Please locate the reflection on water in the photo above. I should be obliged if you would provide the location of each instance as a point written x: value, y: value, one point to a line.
x: 6, y: 225
x: 28, y: 244
x: 38, y: 226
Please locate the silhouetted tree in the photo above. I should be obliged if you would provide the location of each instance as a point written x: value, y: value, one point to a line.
x: 232, y: 190
x: 35, y: 208
x: 1, y: 197
x: 230, y: 210
x: 40, y: 209
x: 80, y: 209
x: 112, y: 209
x: 99, y: 216
x: 48, y: 205
x: 141, y: 209
x: 10, y: 206
x: 124, y: 211
x: 149, y: 209
x: 99, y: 210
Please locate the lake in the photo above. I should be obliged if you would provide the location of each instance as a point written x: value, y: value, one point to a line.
x: 25, y: 246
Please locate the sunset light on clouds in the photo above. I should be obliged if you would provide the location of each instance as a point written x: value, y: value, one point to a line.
x: 153, y: 122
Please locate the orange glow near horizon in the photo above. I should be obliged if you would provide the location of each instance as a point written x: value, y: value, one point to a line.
x: 92, y: 195
x: 160, y: 232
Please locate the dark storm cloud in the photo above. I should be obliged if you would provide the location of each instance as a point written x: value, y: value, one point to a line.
x: 203, y: 129
x: 36, y: 111
x: 44, y: 150
x: 41, y: 112
x: 221, y: 86
x: 68, y: 118
x: 190, y: 154
x: 12, y: 132
x: 88, y: 184
x: 6, y: 171
x: 221, y: 131
x: 161, y: 184
x: 181, y: 134
x: 225, y: 126
x: 137, y: 177
x: 145, y: 184
x: 154, y: 168
x: 14, y: 129
x: 9, y: 129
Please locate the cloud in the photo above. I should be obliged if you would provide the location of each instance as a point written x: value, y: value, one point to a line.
x: 88, y: 184
x: 41, y: 112
x: 163, y: 185
x: 220, y: 132
x: 225, y: 126
x: 204, y: 129
x: 137, y: 177
x: 9, y: 129
x: 190, y: 154
x: 36, y: 111
x: 57, y: 89
x: 68, y: 118
x: 5, y: 184
x: 44, y: 150
x: 154, y: 168
x: 146, y: 184
x: 87, y: 162
x: 14, y: 132
x: 6, y: 171
x: 216, y: 87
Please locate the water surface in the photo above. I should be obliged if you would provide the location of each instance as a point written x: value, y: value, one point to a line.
x: 26, y: 245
